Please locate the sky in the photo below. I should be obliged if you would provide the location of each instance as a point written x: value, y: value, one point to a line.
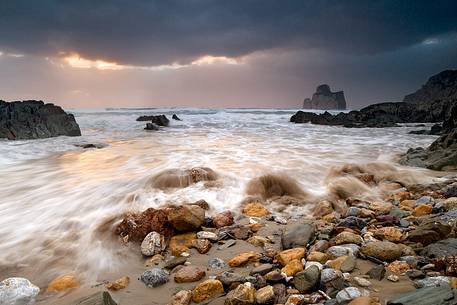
x: 219, y: 53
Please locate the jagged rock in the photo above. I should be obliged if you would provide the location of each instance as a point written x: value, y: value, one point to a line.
x: 442, y: 86
x: 206, y: 290
x: 176, y: 118
x: 182, y: 297
x: 154, y: 277
x: 98, y: 298
x: 324, y: 98
x: 160, y: 120
x: 35, y: 119
x: 17, y: 291
x: 306, y: 280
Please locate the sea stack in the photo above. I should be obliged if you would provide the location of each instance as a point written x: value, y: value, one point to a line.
x: 325, y: 99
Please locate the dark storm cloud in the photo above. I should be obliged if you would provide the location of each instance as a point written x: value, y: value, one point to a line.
x: 157, y: 32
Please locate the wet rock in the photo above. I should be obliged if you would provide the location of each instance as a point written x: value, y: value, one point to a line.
x: 154, y: 277
x: 235, y: 231
x: 223, y: 219
x: 255, y: 209
x: 393, y: 278
x: 226, y: 244
x: 319, y: 246
x: 151, y: 126
x: 244, y: 258
x: 362, y: 301
x: 207, y: 290
x: 398, y: 267
x: 348, y: 238
x: 280, y: 293
x: 422, y: 210
x: 383, y: 250
x: 136, y: 226
x: 244, y: 294
x: 262, y: 269
x: 350, y: 293
x: 318, y: 257
x: 343, y: 250
x: 275, y: 276
x: 415, y: 274
x: 187, y: 217
x: 176, y: 261
x: 389, y: 233
x: 306, y: 280
x: 432, y: 282
x: 152, y: 244
x: 63, y: 283
x: 202, y: 245
x: 450, y: 203
x: 362, y: 282
x: 216, y: 263
x: 34, y: 120
x: 265, y: 295
x: 181, y: 243
x: 426, y: 296
x: 231, y: 279
x: 182, y: 297
x: 18, y: 291
x: 343, y: 263
x: 258, y: 241
x: 295, y: 299
x: 257, y: 280
x: 430, y: 232
x: 446, y: 247
x: 98, y: 298
x: 189, y: 274
x: 175, y: 117
x: 118, y: 284
x: 297, y: 234
x: 160, y: 120
x: 208, y: 235
x: 332, y: 279
x: 353, y: 223
x: 323, y: 208
x: 292, y: 267
x: 381, y: 207
x: 288, y: 255
x: 377, y: 272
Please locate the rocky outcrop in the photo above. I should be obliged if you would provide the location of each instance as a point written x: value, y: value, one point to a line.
x: 442, y: 86
x: 34, y: 120
x: 160, y: 120
x: 325, y: 99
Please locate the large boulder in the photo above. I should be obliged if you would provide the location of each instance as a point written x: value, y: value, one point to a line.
x: 34, y: 120
x: 187, y: 217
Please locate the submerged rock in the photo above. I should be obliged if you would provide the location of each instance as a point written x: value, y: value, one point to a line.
x: 151, y: 126
x: 154, y: 277
x: 176, y: 118
x: 118, y: 284
x: 17, y: 291
x: 160, y: 120
x: 98, y: 298
x: 34, y: 120
x: 62, y: 283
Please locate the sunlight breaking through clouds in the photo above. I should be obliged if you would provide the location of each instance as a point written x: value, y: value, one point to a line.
x: 74, y: 60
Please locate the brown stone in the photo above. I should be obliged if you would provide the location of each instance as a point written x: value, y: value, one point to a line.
x: 288, y: 255
x: 181, y: 243
x: 186, y: 217
x: 258, y: 241
x: 381, y: 207
x: 292, y: 267
x: 63, y: 283
x: 244, y: 294
x: 383, y: 250
x: 389, y: 233
x: 118, y: 284
x: 408, y: 204
x: 189, y: 274
x: 255, y: 209
x: 223, y: 219
x: 348, y: 238
x: 136, y: 226
x: 244, y: 258
x: 154, y: 260
x: 362, y: 301
x: 318, y: 257
x: 207, y: 290
x: 265, y: 295
x: 182, y: 297
x: 323, y: 208
x: 202, y: 245
x: 422, y: 210
x: 398, y: 267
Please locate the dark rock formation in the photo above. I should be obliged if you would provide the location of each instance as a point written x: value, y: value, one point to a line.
x: 442, y: 153
x: 175, y: 117
x: 151, y: 126
x: 160, y: 120
x: 442, y: 86
x: 35, y: 119
x: 325, y: 99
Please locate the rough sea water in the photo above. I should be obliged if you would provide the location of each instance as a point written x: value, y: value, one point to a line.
x: 58, y: 201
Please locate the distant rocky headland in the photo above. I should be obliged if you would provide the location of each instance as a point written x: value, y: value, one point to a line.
x: 34, y: 120
x: 325, y: 99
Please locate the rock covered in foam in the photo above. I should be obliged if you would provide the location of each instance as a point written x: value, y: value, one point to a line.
x: 17, y: 291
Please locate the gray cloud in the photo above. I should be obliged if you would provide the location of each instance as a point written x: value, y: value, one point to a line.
x: 158, y: 32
